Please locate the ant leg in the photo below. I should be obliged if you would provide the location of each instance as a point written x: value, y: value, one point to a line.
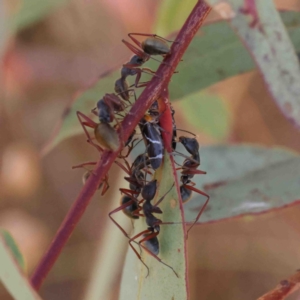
x: 122, y: 167
x: 162, y: 198
x: 130, y: 148
x: 177, y: 129
x: 192, y: 188
x: 137, y: 51
x: 89, y: 123
x: 140, y: 84
x: 147, y: 34
x: 185, y: 156
x: 105, y: 185
x: 93, y: 111
x: 137, y: 254
x: 145, y: 239
x: 89, y: 163
x: 192, y: 172
x: 121, y: 207
x: 128, y: 193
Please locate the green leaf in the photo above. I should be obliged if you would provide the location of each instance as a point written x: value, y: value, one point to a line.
x: 207, y: 113
x: 273, y: 52
x: 13, y: 247
x: 244, y: 180
x: 10, y: 274
x: 161, y: 282
x: 32, y: 11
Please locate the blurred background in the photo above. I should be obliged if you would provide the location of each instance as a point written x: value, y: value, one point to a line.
x: 44, y: 64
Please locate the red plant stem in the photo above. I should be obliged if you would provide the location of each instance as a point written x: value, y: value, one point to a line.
x: 152, y: 91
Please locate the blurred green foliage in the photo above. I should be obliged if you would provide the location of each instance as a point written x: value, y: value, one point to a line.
x: 12, y: 246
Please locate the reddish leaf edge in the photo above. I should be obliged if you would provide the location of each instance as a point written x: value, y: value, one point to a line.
x: 152, y: 91
x: 271, y: 210
x: 167, y: 126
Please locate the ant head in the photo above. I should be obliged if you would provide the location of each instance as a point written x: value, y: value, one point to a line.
x: 138, y: 60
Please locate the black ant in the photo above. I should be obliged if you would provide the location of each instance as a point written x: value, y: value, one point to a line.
x: 129, y: 202
x: 105, y: 134
x: 133, y: 67
x: 149, y: 241
x: 189, y: 169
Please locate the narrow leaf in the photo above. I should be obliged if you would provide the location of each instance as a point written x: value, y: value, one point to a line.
x: 216, y: 53
x: 259, y: 25
x: 12, y: 277
x: 161, y: 282
x: 11, y: 244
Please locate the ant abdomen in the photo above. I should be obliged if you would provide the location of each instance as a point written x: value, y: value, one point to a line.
x: 185, y: 193
x: 121, y: 88
x: 104, y: 112
x: 106, y: 136
x: 155, y: 46
x: 128, y: 210
x: 152, y: 244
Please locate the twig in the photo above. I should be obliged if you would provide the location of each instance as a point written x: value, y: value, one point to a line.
x: 150, y: 93
x: 283, y: 289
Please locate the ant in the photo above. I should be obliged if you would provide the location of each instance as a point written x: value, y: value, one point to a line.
x: 132, y: 68
x: 129, y: 202
x: 189, y: 169
x: 105, y: 135
x: 106, y: 106
x: 152, y: 45
x: 149, y: 241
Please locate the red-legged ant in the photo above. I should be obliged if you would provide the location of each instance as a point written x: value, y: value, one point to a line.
x: 105, y: 135
x: 189, y: 169
x: 129, y: 201
x: 133, y: 67
x: 149, y: 241
x: 107, y: 106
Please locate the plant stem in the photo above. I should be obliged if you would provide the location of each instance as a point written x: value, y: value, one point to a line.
x: 152, y: 91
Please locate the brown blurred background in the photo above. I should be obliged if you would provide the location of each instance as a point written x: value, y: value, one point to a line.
x: 43, y: 66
